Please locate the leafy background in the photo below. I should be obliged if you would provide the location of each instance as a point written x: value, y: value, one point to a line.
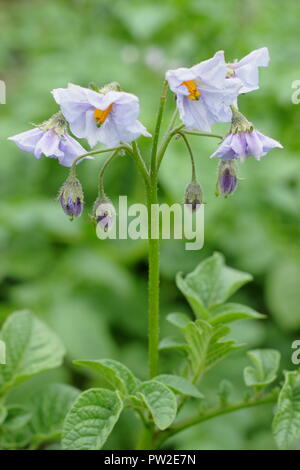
x: 93, y: 293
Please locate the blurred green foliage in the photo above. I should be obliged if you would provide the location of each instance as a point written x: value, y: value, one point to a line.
x: 93, y: 293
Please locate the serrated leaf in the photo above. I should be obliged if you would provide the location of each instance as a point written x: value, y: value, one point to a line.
x: 31, y: 347
x: 179, y: 385
x: 218, y: 349
x: 205, y: 345
x: 180, y: 320
x: 118, y: 375
x: 286, y: 423
x: 266, y: 364
x: 49, y: 407
x: 197, y: 335
x: 91, y: 419
x: 231, y: 312
x: 160, y: 401
x: 210, y: 284
x: 173, y: 344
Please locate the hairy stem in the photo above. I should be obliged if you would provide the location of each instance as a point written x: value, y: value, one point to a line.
x: 102, y: 171
x: 204, y: 134
x: 94, y: 152
x: 135, y: 151
x: 191, y: 155
x: 153, y: 255
x: 212, y: 413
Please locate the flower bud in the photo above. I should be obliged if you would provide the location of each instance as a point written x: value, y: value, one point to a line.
x: 104, y: 213
x: 227, y: 178
x: 193, y: 196
x: 71, y: 197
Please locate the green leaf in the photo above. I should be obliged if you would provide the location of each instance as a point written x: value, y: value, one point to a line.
x: 210, y: 284
x: 180, y: 320
x: 160, y: 401
x: 218, y: 349
x: 3, y: 414
x: 231, y: 312
x: 31, y: 347
x: 205, y: 346
x: 17, y: 417
x: 172, y: 344
x: 197, y: 335
x: 286, y: 423
x: 91, y: 419
x: 266, y: 364
x: 49, y: 407
x: 179, y: 385
x: 118, y: 375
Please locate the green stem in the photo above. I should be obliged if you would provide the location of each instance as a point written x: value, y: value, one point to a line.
x: 204, y: 134
x: 212, y: 413
x: 194, y: 178
x: 94, y: 152
x: 165, y: 143
x: 158, y: 125
x: 102, y: 171
x: 135, y: 151
x: 153, y: 254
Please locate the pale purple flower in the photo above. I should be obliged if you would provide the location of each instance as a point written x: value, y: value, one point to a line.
x: 241, y: 145
x: 203, y: 93
x: 227, y: 178
x: 108, y: 117
x: 50, y: 139
x: 246, y: 69
x: 104, y: 214
x: 71, y: 196
x: 71, y: 208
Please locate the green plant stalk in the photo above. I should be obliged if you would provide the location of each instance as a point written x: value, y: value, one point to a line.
x: 153, y: 254
x: 189, y: 148
x: 102, y: 171
x: 212, y: 413
x: 94, y: 152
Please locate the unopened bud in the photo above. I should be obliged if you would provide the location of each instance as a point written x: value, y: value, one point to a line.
x: 227, y: 178
x: 104, y: 214
x: 193, y: 196
x: 71, y: 197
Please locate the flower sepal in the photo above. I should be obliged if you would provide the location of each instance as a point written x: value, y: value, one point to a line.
x: 193, y: 196
x: 239, y: 123
x: 56, y: 122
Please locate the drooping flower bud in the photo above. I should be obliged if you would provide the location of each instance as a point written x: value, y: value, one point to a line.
x: 227, y: 178
x: 104, y: 213
x: 193, y: 196
x: 71, y: 197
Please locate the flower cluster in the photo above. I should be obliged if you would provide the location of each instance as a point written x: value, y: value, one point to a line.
x: 205, y: 94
